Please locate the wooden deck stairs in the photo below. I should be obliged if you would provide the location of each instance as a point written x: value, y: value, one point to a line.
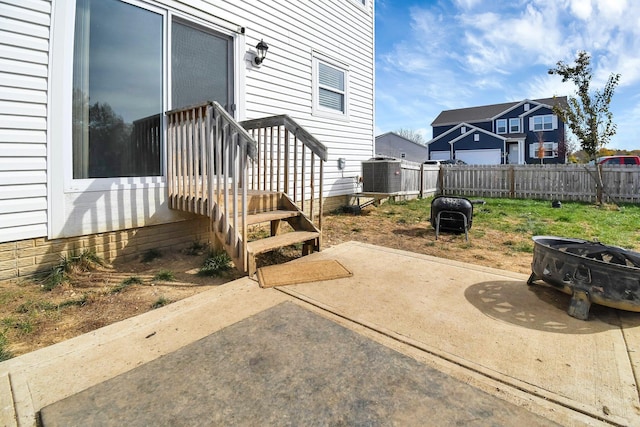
x: 280, y: 209
x: 246, y: 175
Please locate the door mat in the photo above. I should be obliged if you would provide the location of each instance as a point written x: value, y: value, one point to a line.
x: 301, y: 272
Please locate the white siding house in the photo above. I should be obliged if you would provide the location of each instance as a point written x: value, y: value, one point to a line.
x: 60, y: 58
x: 24, y: 61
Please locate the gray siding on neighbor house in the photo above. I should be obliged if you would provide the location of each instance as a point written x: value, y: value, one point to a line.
x: 24, y: 57
x: 393, y: 145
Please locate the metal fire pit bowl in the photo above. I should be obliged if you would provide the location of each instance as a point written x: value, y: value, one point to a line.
x: 588, y: 271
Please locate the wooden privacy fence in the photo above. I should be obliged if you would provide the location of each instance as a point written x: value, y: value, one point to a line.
x: 546, y: 182
x: 418, y: 179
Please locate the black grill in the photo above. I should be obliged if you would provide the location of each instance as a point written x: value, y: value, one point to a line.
x: 449, y: 213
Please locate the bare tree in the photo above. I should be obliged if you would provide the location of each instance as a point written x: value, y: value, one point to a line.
x: 412, y: 135
x: 587, y: 115
x: 541, y: 147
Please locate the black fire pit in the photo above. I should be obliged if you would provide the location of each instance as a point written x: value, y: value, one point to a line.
x: 588, y: 271
x: 449, y: 213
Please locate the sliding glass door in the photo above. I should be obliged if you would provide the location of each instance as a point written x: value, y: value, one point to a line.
x: 119, y: 80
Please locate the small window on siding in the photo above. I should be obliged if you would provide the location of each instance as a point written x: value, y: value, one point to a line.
x: 476, y: 137
x: 463, y: 130
x: 514, y: 125
x: 526, y: 107
x: 501, y: 126
x: 330, y: 88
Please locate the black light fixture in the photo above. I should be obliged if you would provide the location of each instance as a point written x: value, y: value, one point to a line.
x: 262, y: 49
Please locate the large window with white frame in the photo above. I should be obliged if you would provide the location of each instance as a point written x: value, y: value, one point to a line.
x: 330, y: 87
x: 121, y: 66
x: 543, y: 123
x: 543, y: 150
x: 501, y: 126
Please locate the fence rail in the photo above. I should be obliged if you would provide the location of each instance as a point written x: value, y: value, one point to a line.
x: 546, y: 182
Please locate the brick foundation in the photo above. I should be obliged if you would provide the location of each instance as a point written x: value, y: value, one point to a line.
x: 25, y: 258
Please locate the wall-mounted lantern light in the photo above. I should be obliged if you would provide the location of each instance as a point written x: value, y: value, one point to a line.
x: 261, y: 49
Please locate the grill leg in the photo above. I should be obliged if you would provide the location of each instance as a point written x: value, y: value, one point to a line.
x: 466, y: 226
x: 466, y: 223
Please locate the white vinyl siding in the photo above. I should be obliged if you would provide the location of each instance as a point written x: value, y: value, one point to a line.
x: 24, y: 31
x: 294, y: 31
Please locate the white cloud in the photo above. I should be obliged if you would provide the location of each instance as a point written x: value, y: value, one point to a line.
x: 473, y: 52
x: 467, y: 4
x: 581, y: 9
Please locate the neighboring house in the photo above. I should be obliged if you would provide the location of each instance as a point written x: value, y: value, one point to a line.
x: 391, y: 144
x: 79, y: 77
x: 509, y: 133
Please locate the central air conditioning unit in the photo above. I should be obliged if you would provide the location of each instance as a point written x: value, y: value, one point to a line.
x: 381, y: 176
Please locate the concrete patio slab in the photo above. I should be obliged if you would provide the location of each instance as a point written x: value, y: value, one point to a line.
x: 491, y: 322
x: 480, y: 326
x: 285, y: 366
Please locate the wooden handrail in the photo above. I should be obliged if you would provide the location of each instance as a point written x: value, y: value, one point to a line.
x: 207, y: 171
x: 298, y: 131
x: 213, y: 162
x: 286, y: 162
x: 228, y: 119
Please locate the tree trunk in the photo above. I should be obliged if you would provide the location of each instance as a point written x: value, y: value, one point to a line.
x: 599, y: 184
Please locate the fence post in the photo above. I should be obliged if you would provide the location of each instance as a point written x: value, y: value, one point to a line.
x: 440, y: 187
x: 512, y: 182
x: 421, y: 178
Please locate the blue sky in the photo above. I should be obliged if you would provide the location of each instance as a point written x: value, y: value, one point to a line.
x: 439, y: 55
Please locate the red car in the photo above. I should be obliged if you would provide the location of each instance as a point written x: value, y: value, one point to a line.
x: 619, y: 160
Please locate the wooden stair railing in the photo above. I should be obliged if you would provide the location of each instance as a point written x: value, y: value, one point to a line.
x: 289, y: 160
x: 259, y: 171
x: 207, y: 162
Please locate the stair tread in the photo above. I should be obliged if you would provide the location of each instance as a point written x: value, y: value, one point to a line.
x: 286, y: 239
x: 259, y: 217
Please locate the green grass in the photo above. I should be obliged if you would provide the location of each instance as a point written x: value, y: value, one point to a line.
x: 5, y: 354
x: 160, y: 302
x: 216, y: 264
x: 133, y: 280
x: 617, y: 226
x: 85, y: 261
x: 165, y: 275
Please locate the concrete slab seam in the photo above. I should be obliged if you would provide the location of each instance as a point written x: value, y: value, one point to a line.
x: 495, y: 376
x: 633, y: 370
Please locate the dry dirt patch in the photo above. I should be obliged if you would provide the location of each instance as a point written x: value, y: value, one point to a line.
x: 31, y: 318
